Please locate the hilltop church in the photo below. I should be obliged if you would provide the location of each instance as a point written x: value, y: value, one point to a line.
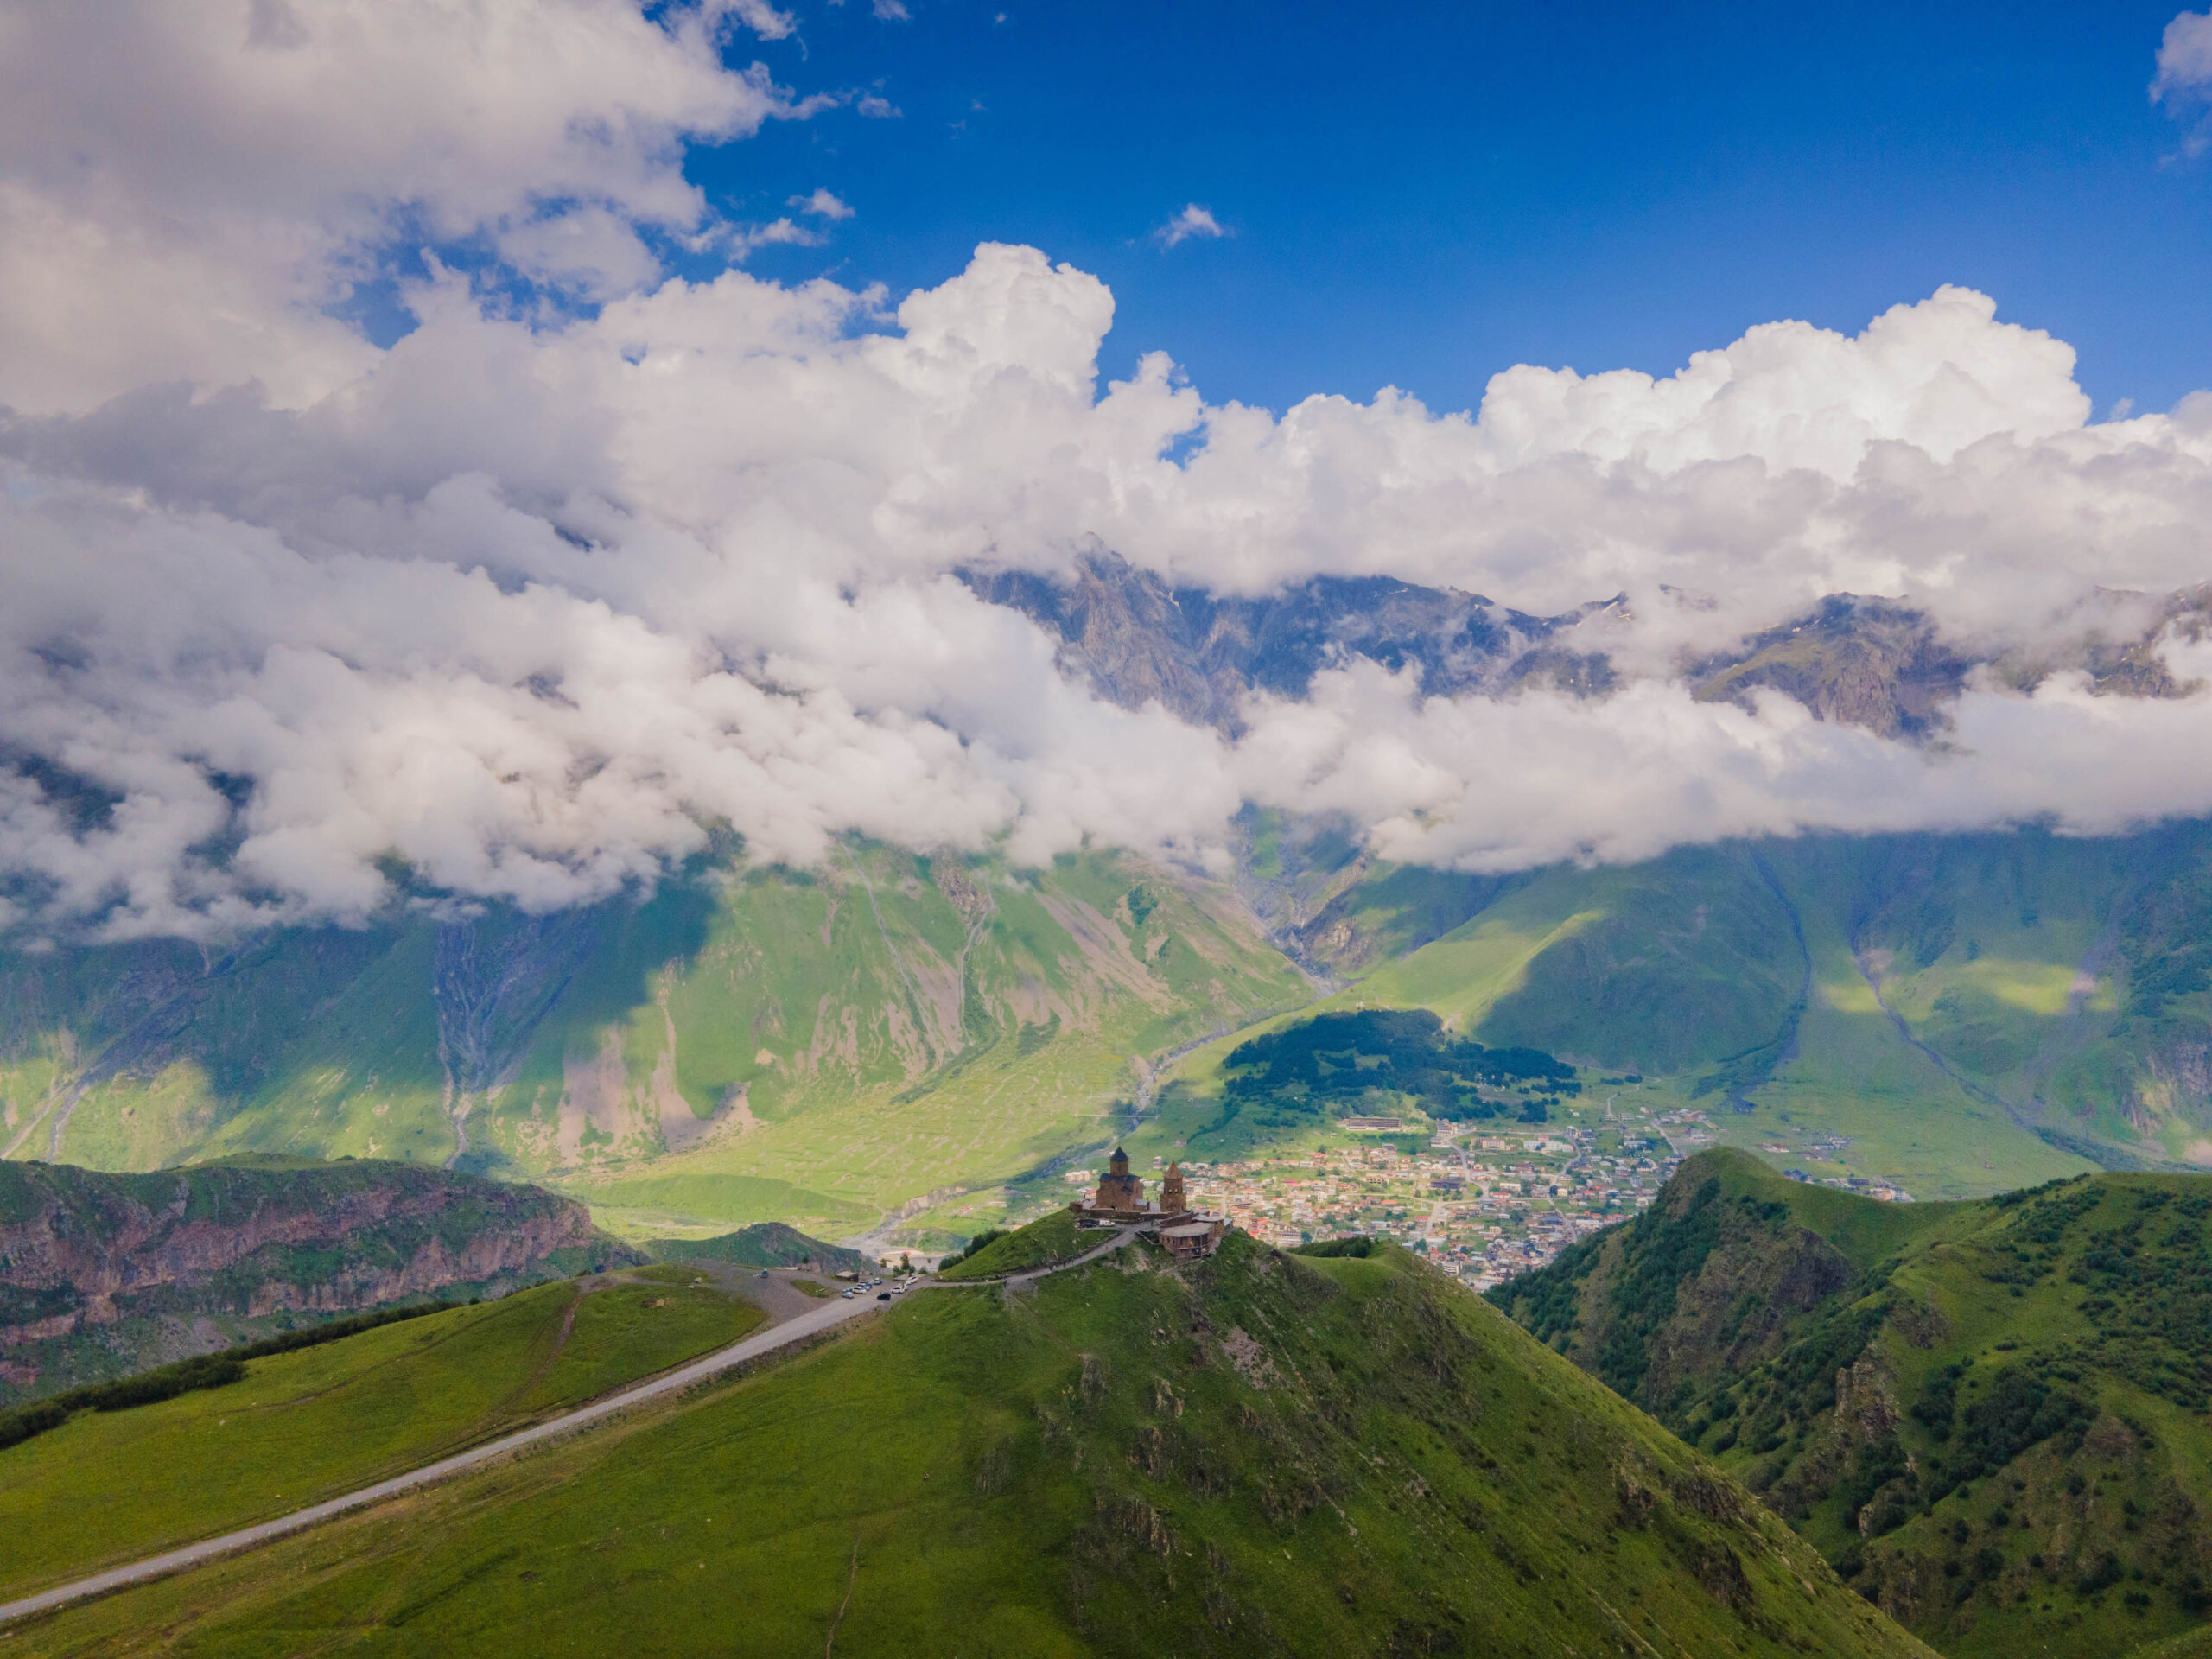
x: 1120, y: 1202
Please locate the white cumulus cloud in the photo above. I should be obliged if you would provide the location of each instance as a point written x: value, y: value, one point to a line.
x: 1191, y: 221
x: 186, y: 186
x: 823, y: 204
x: 2184, y: 58
x: 531, y: 603
x: 2184, y: 82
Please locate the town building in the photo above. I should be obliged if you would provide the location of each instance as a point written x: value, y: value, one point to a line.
x: 1200, y: 1236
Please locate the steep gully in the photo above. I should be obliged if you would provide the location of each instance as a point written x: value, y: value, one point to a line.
x: 2053, y: 1049
x: 491, y: 996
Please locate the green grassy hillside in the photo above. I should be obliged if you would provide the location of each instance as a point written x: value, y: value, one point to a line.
x: 113, y: 1486
x: 746, y: 1044
x: 1992, y: 1415
x: 1338, y: 908
x: 1259, y: 1454
x: 1956, y: 1015
x: 2195, y: 1645
x: 768, y: 1244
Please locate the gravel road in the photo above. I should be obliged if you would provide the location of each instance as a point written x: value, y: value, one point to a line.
x: 812, y: 1322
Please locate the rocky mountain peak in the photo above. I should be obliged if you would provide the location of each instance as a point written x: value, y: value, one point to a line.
x: 1137, y: 639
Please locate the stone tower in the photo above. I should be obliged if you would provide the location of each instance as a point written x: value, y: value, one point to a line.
x: 1172, y: 1201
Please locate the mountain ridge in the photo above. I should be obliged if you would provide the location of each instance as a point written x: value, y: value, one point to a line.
x: 1866, y: 661
x: 1991, y: 1415
x: 914, y: 1057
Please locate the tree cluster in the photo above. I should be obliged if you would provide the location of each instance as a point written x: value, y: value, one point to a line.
x: 1335, y: 1061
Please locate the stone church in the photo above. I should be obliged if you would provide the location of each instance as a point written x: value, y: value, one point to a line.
x: 1120, y: 1202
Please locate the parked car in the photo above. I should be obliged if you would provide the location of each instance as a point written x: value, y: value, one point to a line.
x: 882, y: 1295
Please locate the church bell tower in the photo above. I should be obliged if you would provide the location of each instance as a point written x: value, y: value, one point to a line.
x: 1172, y: 1201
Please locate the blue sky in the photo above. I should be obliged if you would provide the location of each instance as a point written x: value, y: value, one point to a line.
x: 1420, y: 195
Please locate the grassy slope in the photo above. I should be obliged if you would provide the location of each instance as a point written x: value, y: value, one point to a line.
x: 364, y: 1078
x: 1718, y: 1276
x: 1676, y: 1308
x: 1344, y: 910
x: 1865, y: 1232
x: 2197, y: 1644
x: 1753, y: 973
x: 823, y: 1048
x: 1460, y: 975
x: 2128, y: 1068
x: 114, y: 1486
x: 634, y: 1205
x: 1696, y: 963
x: 132, y: 1056
x: 632, y: 1331
x: 1082, y: 1470
x: 1847, y: 1071
x: 1973, y: 942
x: 1642, y: 967
x: 2010, y: 960
x: 1751, y: 976
x: 1053, y: 1238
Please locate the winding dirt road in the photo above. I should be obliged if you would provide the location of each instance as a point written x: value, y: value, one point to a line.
x: 813, y: 1322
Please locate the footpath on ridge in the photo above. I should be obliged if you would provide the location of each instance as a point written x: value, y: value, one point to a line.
x: 796, y: 1329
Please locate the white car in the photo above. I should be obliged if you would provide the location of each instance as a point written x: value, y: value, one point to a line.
x: 850, y: 1294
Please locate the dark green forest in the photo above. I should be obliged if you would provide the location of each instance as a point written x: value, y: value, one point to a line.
x: 1334, y: 1064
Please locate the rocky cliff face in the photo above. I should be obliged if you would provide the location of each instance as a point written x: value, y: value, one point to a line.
x: 101, y: 1275
x: 1862, y: 662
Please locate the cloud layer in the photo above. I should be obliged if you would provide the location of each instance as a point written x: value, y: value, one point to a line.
x: 531, y: 600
